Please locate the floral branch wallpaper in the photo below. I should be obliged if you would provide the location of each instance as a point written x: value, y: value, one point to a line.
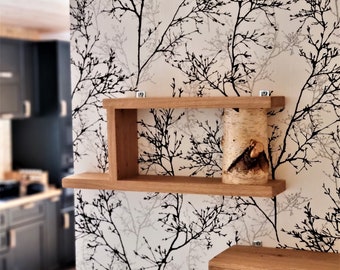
x: 206, y: 48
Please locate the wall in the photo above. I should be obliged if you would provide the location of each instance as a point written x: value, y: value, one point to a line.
x: 5, y: 145
x: 216, y: 48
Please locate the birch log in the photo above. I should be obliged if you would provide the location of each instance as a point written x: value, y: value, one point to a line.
x: 245, y: 146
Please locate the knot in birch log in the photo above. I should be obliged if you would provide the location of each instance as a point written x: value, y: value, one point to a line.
x: 245, y: 146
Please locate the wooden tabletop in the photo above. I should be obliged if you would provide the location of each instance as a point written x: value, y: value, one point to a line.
x: 51, y: 193
x: 263, y: 258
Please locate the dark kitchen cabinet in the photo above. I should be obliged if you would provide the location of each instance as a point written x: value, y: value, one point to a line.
x: 31, y: 238
x: 42, y: 143
x: 3, y: 221
x: 26, y: 229
x: 67, y: 237
x: 53, y: 63
x: 45, y: 141
x: 4, y: 261
x: 52, y: 234
x: 17, y: 83
x: 4, y: 255
x: 28, y: 250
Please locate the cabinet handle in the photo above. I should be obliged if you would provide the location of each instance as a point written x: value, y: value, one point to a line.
x: 66, y: 220
x: 7, y: 116
x: 27, y: 105
x: 28, y: 206
x: 12, y: 238
x: 6, y: 74
x: 63, y: 108
x: 55, y: 199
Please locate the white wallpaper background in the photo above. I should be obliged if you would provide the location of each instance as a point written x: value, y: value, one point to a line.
x: 206, y: 48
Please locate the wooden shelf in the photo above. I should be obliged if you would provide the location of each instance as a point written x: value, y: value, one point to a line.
x: 255, y: 102
x: 178, y: 184
x: 123, y: 150
x: 262, y: 258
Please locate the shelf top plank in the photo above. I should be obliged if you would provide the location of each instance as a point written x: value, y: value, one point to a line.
x: 243, y: 102
x: 178, y: 184
x: 266, y: 258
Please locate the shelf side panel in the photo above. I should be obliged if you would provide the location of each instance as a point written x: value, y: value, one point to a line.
x: 123, y: 144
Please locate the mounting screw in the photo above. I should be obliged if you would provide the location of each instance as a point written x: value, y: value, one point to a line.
x: 257, y: 243
x: 140, y: 94
x: 264, y: 93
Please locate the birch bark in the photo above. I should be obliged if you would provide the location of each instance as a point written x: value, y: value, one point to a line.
x: 245, y: 133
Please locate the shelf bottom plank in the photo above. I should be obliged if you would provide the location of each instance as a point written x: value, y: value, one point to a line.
x: 263, y: 258
x: 175, y: 184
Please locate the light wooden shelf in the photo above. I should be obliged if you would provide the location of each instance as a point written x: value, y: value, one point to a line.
x: 178, y: 184
x: 123, y: 150
x: 264, y: 258
x: 254, y: 102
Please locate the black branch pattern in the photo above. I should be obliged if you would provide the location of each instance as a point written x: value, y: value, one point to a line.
x: 320, y: 93
x: 162, y: 38
x: 165, y: 144
x: 205, y: 154
x: 92, y: 219
x: 205, y: 70
x: 98, y: 77
x: 305, y: 133
x: 319, y: 233
x: 178, y: 232
x: 306, y: 128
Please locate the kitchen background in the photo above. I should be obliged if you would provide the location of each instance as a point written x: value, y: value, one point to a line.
x: 36, y: 230
x: 206, y: 48
x: 29, y: 21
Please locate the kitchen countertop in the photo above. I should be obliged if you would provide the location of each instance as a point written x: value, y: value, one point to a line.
x: 51, y: 193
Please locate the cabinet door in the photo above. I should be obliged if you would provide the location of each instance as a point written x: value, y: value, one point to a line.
x: 26, y: 213
x: 54, y: 77
x: 3, y: 220
x: 52, y: 235
x: 64, y: 79
x: 67, y: 238
x: 50, y: 135
x: 48, y: 78
x: 3, y: 241
x: 64, y: 91
x: 11, y: 57
x: 4, y: 261
x: 16, y: 78
x: 26, y: 247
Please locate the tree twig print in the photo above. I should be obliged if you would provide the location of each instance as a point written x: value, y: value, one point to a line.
x: 92, y: 219
x: 206, y: 154
x: 166, y: 147
x: 205, y: 70
x: 317, y: 233
x: 171, y: 34
x: 179, y: 232
x: 304, y: 140
x: 321, y: 88
x: 99, y: 75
